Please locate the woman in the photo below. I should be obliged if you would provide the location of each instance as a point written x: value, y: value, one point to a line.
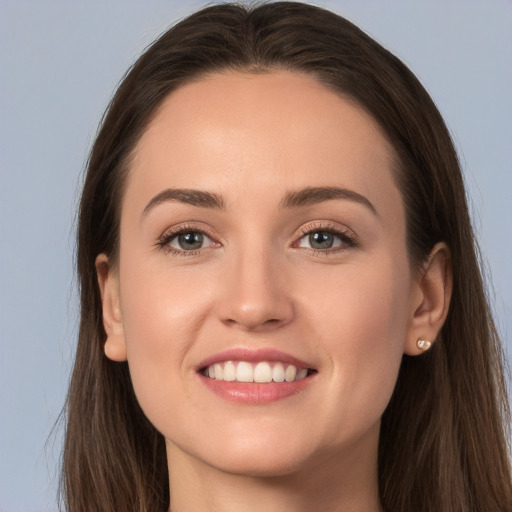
x: 282, y: 307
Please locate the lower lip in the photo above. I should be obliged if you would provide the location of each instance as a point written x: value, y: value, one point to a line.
x: 256, y: 393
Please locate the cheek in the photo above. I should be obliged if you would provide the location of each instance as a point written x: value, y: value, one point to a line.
x: 162, y: 312
x: 364, y: 306
x: 362, y: 319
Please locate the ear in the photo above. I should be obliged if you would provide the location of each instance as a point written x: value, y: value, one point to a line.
x: 430, y: 299
x: 108, y: 280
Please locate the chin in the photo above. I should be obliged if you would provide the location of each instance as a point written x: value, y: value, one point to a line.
x: 260, y: 465
x: 258, y: 456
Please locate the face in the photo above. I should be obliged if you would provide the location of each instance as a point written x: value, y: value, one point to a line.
x: 262, y: 239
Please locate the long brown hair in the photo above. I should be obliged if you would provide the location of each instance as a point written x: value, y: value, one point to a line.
x: 443, y: 443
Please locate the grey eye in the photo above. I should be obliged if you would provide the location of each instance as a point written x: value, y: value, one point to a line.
x: 190, y: 241
x: 321, y: 240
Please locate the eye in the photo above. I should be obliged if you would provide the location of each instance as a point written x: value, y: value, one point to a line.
x: 184, y: 240
x: 326, y: 240
x: 189, y: 241
x: 320, y: 240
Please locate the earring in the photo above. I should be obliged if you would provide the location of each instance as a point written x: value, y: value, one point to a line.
x: 423, y: 345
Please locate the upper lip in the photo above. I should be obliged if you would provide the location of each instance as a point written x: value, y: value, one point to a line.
x: 253, y: 356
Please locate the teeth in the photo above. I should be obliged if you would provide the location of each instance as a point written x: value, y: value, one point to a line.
x: 278, y: 373
x: 229, y: 371
x: 290, y: 373
x: 303, y: 372
x: 262, y: 372
x: 244, y: 372
x: 219, y: 372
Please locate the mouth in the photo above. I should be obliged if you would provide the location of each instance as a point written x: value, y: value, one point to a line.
x: 255, y: 376
x: 261, y: 372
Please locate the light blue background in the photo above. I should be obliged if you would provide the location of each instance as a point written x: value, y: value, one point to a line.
x: 59, y: 63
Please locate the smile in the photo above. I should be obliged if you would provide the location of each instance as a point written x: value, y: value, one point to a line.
x: 261, y: 372
x: 261, y: 376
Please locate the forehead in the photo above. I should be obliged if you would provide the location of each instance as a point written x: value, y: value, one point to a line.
x: 276, y: 130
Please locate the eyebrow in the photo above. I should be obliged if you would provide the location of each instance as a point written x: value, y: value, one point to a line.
x: 198, y: 198
x: 314, y: 195
x: 305, y: 197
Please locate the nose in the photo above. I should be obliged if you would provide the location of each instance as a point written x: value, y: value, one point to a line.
x: 256, y: 293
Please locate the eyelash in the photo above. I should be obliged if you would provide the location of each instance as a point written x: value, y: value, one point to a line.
x: 346, y: 236
x: 168, y: 236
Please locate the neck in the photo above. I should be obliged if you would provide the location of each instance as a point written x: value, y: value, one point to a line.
x: 346, y: 483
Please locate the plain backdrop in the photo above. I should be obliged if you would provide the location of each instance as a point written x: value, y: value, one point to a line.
x: 59, y: 63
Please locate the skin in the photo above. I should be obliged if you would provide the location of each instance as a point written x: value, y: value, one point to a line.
x: 350, y: 312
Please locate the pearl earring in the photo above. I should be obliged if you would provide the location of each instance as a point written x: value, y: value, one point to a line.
x: 423, y: 345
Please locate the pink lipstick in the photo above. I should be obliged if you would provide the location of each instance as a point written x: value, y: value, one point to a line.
x: 255, y: 376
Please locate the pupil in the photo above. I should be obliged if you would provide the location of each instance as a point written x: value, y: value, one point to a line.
x: 321, y: 240
x: 190, y: 241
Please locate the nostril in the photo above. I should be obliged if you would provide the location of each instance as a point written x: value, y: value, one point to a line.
x: 255, y: 311
x: 254, y: 324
